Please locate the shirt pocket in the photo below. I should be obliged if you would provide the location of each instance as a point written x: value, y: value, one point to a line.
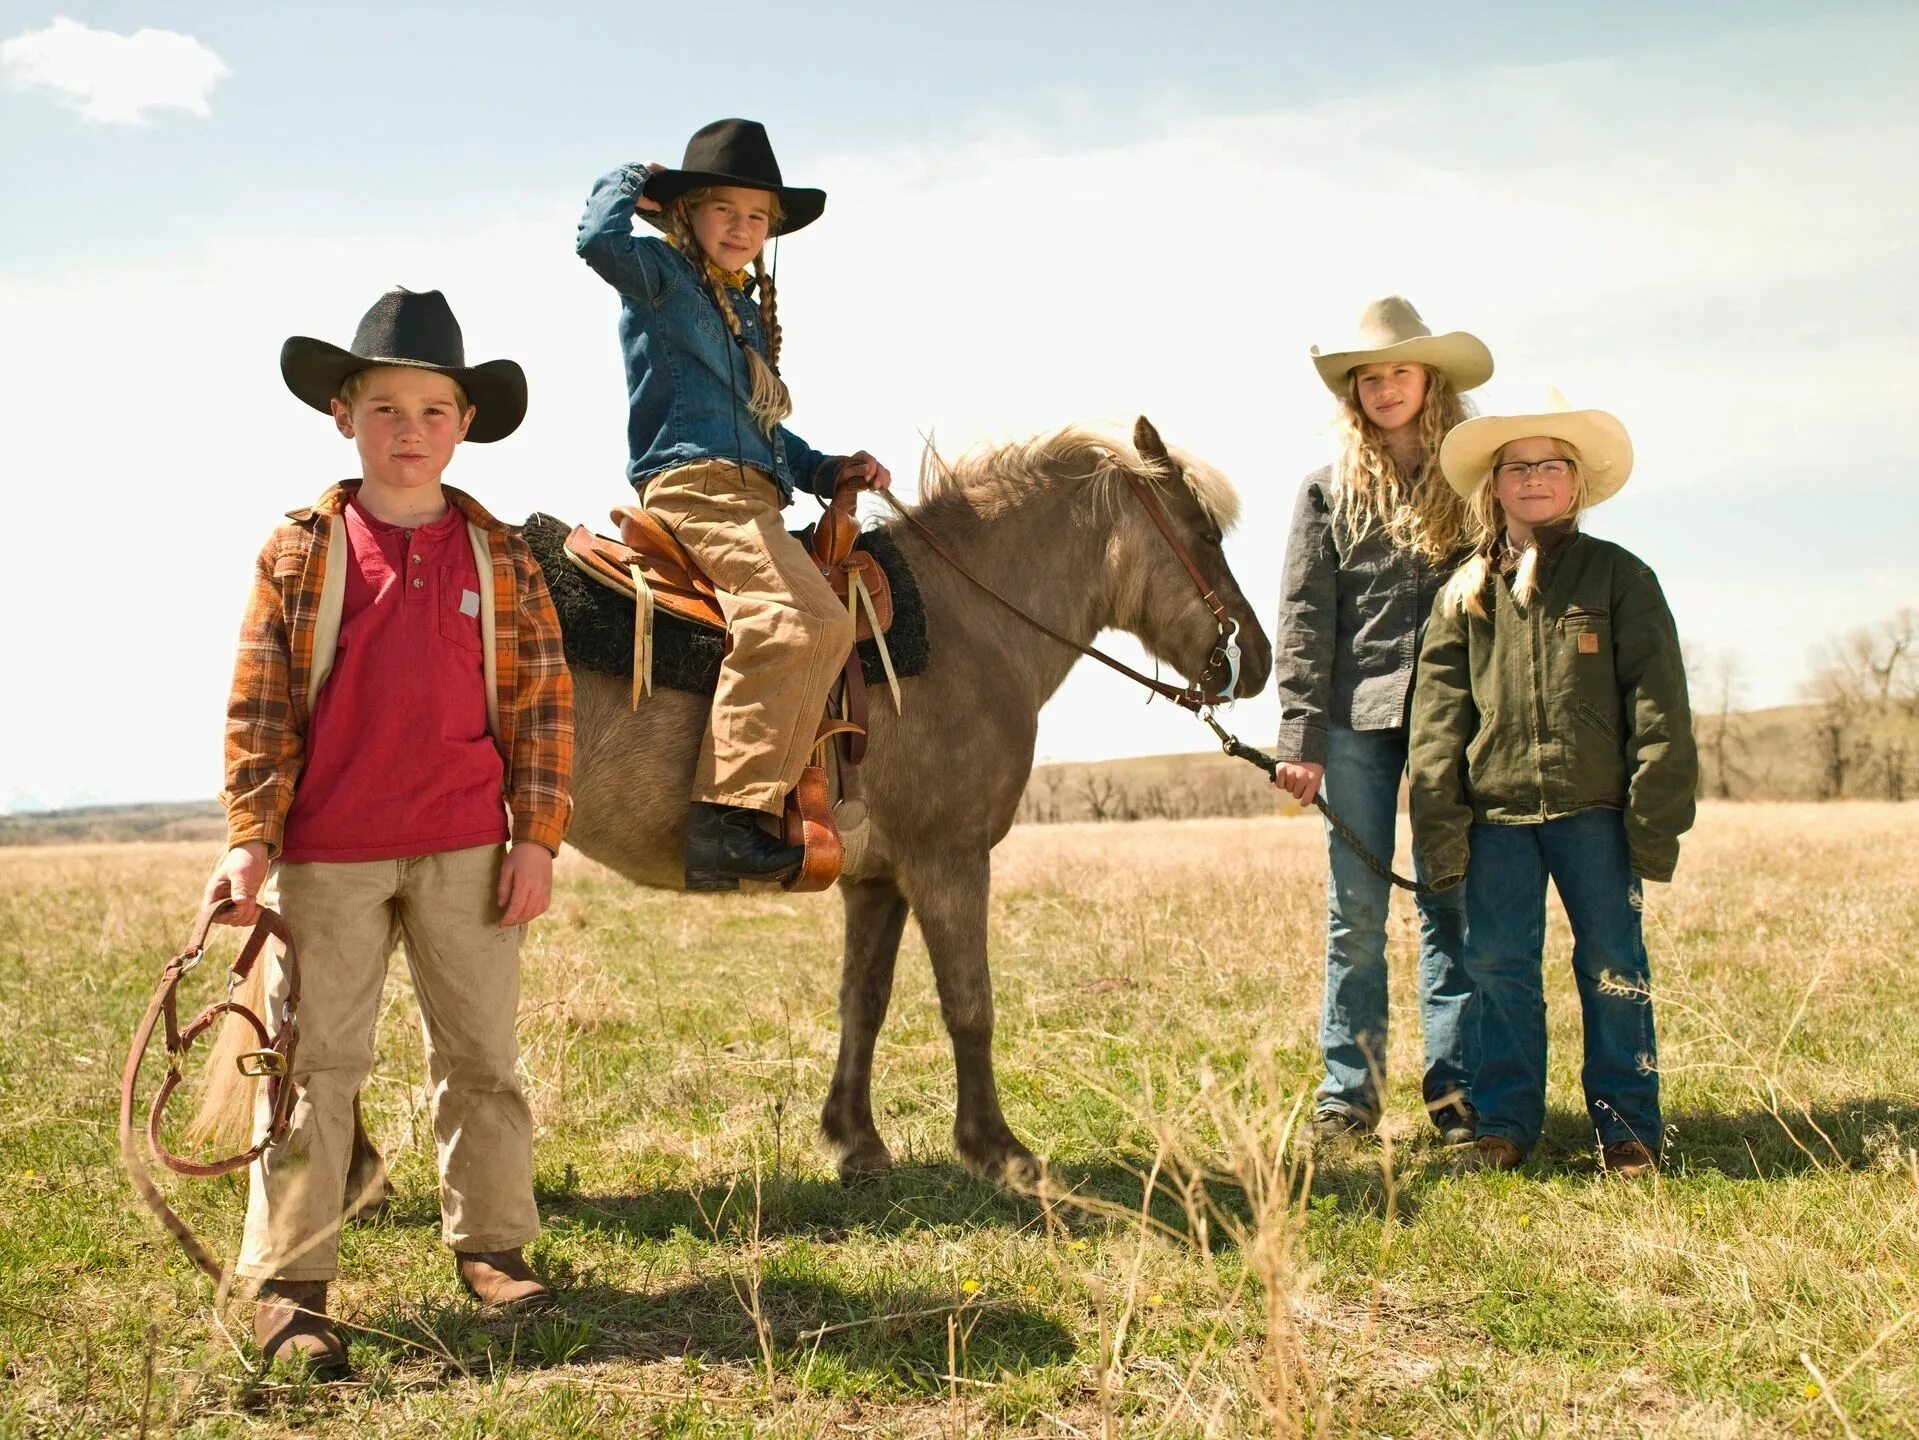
x: 1597, y: 720
x: 459, y: 615
x: 1591, y: 688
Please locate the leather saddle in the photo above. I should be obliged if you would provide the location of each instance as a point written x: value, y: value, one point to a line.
x: 650, y: 566
x: 677, y: 583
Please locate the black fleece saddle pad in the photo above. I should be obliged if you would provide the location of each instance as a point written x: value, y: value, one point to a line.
x: 598, y: 624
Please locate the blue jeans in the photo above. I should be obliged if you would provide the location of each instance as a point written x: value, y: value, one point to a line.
x: 1363, y: 771
x: 1585, y: 855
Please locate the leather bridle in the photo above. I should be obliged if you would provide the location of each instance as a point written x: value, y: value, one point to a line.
x: 1226, y: 652
x: 1192, y: 697
x: 272, y: 1061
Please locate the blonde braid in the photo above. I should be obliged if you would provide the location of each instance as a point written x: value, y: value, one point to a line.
x: 769, y: 403
x: 769, y: 311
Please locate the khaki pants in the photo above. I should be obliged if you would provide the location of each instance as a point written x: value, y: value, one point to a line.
x: 790, y: 631
x: 345, y: 919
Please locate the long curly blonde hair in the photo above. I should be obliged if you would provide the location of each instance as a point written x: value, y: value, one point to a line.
x: 1419, y: 513
x: 1465, y: 592
x: 770, y: 401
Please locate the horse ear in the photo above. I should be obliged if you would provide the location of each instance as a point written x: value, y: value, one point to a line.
x: 1151, y: 448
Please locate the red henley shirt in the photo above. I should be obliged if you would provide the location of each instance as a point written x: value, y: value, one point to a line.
x: 398, y: 757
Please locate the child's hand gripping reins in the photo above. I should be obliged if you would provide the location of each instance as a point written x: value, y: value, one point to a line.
x: 1240, y: 750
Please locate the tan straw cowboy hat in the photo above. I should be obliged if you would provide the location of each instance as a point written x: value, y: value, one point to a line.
x: 1390, y: 329
x: 1605, y: 450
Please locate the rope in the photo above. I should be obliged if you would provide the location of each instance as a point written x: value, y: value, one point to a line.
x: 1240, y: 750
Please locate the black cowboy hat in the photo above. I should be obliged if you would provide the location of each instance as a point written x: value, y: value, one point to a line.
x: 734, y: 152
x: 415, y: 329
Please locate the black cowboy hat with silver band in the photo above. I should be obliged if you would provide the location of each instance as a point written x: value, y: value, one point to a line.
x: 734, y: 152
x: 417, y: 330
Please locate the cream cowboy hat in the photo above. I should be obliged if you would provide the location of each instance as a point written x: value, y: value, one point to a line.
x: 1390, y: 329
x: 1605, y: 450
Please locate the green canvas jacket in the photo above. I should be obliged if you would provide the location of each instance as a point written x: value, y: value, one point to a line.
x: 1575, y: 703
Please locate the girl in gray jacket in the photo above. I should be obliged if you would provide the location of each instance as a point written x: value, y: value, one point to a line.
x: 1374, y: 536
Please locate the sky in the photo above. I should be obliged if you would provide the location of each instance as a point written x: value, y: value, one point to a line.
x: 1701, y: 217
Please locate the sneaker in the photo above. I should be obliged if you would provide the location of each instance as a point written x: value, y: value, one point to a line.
x: 1494, y: 1152
x: 1331, y: 1125
x: 1628, y: 1160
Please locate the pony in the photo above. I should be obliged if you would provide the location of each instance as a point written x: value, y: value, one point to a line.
x: 1053, y: 524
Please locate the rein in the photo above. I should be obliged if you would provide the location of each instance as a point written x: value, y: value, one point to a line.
x: 1240, y: 750
x: 1191, y: 698
x: 272, y: 1061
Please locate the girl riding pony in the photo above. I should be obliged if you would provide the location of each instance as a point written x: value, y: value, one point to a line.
x: 712, y: 458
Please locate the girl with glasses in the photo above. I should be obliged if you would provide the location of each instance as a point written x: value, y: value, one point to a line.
x: 1552, y: 740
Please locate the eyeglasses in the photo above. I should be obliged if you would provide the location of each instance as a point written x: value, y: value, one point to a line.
x: 1554, y: 469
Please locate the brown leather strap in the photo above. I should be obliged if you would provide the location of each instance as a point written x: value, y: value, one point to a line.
x: 1191, y: 698
x: 809, y: 825
x: 274, y: 1059
x: 1152, y: 505
x: 852, y: 745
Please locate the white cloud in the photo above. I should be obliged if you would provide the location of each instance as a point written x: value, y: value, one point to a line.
x: 114, y: 79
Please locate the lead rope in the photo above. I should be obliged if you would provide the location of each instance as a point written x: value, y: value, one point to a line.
x: 1240, y: 750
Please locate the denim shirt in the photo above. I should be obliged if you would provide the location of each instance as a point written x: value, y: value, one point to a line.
x: 686, y: 382
x: 1351, y: 614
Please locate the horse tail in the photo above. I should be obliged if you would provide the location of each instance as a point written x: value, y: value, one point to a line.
x: 224, y: 1118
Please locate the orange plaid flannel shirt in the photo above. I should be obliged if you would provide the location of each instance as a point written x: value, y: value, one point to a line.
x: 268, y: 708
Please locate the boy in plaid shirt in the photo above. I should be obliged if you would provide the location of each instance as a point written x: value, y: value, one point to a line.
x: 399, y: 697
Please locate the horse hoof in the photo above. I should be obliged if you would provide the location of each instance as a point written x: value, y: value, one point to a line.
x: 865, y: 1162
x: 1020, y: 1172
x: 366, y: 1203
x: 1005, y: 1162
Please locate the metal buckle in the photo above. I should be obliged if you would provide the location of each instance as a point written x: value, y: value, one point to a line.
x: 262, y: 1064
x: 1228, y: 647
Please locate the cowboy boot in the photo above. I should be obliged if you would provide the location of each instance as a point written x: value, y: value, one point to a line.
x: 290, y: 1322
x: 725, y: 844
x: 500, y: 1279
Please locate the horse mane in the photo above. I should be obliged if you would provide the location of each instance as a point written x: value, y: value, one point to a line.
x: 990, y: 479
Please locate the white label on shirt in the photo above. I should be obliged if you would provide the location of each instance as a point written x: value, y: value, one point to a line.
x: 469, y: 602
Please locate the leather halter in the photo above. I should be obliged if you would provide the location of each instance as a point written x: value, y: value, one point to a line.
x: 273, y: 1061
x: 1191, y: 697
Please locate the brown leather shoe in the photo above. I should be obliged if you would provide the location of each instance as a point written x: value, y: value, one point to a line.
x: 1628, y: 1160
x: 290, y: 1322
x: 500, y: 1278
x: 1494, y: 1152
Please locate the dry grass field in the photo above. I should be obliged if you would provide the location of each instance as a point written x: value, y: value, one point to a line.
x: 1188, y: 1272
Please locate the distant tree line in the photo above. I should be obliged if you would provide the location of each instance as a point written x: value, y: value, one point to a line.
x: 1070, y: 792
x: 1866, y: 690
x: 1856, y: 739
